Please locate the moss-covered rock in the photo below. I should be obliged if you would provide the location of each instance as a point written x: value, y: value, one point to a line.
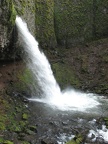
x: 53, y: 22
x: 8, y: 142
x: 83, y: 67
x: 80, y: 21
x: 44, y: 19
x: 25, y: 116
x: 9, y: 42
x: 1, y: 140
x: 64, y: 75
x: 100, y: 18
x: 25, y: 83
x: 77, y: 140
x: 26, y: 9
x: 7, y: 17
x: 73, y: 21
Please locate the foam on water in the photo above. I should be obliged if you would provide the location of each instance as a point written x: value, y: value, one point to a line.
x: 51, y: 93
x: 70, y: 100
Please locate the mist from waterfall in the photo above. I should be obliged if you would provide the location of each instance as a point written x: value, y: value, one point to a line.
x: 51, y: 93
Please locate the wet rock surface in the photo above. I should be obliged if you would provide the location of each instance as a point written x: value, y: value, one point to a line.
x: 37, y: 123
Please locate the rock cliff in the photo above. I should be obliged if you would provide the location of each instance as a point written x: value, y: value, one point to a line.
x: 7, y: 18
x: 53, y: 22
x: 59, y: 25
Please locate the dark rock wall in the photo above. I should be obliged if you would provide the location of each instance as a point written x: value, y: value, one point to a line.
x: 7, y: 19
x: 79, y: 21
x: 9, y: 41
x: 65, y: 22
x: 44, y: 18
x: 100, y: 18
x: 73, y: 21
x: 26, y: 9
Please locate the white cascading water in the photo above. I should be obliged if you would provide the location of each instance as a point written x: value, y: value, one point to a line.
x: 52, y: 95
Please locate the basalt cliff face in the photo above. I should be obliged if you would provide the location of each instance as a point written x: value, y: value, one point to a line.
x: 53, y: 22
x: 7, y: 18
x: 59, y: 26
x: 9, y: 41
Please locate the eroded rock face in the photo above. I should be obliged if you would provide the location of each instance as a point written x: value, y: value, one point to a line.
x: 7, y: 18
x: 80, y: 21
x: 9, y: 42
x: 26, y: 9
x: 53, y: 22
x: 45, y: 23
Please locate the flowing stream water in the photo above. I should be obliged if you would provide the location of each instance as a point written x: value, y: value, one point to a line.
x: 69, y: 100
x: 51, y: 94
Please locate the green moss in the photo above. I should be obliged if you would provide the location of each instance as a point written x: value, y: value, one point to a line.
x: 16, y: 128
x: 44, y: 19
x: 8, y: 142
x: 25, y: 116
x: 84, y: 65
x: 78, y: 140
x: 101, y: 18
x: 2, y: 126
x: 11, y: 14
x: 105, y: 58
x: 25, y: 142
x: 1, y: 140
x: 10, y: 119
x: 25, y: 81
x: 23, y: 123
x: 73, y: 21
x: 25, y: 77
x: 80, y: 21
x: 64, y: 75
x: 4, y: 105
x: 64, y: 22
x: 106, y: 121
x: 23, y: 6
x: 33, y: 128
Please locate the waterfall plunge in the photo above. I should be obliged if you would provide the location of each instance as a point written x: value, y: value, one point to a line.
x: 37, y: 62
x: 51, y: 94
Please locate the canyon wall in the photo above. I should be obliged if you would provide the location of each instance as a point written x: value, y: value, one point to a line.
x: 60, y: 26
x: 53, y: 22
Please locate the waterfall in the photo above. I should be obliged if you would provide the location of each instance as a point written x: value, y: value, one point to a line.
x: 37, y: 62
